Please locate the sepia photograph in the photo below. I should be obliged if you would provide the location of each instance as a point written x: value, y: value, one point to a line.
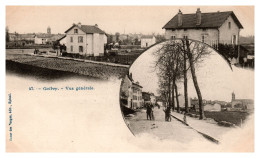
x: 130, y: 78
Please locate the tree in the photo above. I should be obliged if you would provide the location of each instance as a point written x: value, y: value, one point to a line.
x: 185, y: 80
x: 7, y: 37
x: 170, y: 69
x: 194, y: 55
x: 117, y: 36
x: 175, y: 59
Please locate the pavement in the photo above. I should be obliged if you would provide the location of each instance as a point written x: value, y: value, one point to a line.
x: 174, y: 130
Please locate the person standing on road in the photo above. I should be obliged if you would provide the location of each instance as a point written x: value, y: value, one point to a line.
x: 167, y: 113
x: 148, y: 111
x: 152, y: 115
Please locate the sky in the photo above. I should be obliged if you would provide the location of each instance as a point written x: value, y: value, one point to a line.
x: 215, y: 78
x: 111, y: 19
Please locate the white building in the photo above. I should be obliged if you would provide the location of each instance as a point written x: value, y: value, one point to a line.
x: 153, y: 99
x: 147, y: 41
x: 86, y: 40
x: 212, y: 107
x: 211, y: 28
x: 42, y: 38
x: 133, y: 92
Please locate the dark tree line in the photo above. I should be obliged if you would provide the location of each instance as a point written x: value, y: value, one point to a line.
x: 177, y: 58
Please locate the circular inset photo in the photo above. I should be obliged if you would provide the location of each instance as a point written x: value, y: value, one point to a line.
x: 185, y: 90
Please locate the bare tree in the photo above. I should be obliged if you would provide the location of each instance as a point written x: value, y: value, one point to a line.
x: 168, y: 64
x: 195, y: 52
x: 175, y: 58
x: 185, y: 81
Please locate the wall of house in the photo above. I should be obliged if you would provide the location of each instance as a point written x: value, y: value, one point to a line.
x: 136, y: 96
x: 98, y: 44
x: 210, y: 35
x: 93, y: 44
x: 75, y: 42
x: 40, y: 40
x: 90, y: 44
x: 149, y: 41
x: 226, y: 33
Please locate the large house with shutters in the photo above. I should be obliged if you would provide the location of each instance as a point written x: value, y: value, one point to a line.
x: 88, y: 40
x: 211, y: 28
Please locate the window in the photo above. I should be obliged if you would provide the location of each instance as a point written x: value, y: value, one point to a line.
x: 71, y: 39
x: 185, y: 37
x: 173, y: 37
x: 80, y: 39
x: 75, y: 31
x: 71, y: 48
x: 203, y: 38
x: 80, y: 48
x: 229, y: 25
x: 234, y: 39
x: 185, y: 29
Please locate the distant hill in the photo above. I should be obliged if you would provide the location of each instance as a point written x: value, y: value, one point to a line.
x: 247, y: 40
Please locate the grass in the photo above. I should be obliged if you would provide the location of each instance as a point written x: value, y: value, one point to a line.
x: 234, y: 117
x: 77, y: 67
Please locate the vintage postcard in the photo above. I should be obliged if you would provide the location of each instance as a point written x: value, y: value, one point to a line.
x: 130, y: 78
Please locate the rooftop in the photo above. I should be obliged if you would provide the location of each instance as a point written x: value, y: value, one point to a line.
x: 87, y: 29
x: 208, y: 20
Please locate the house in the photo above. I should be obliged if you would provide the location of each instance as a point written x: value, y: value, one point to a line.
x: 146, y: 97
x: 149, y: 98
x: 147, y: 40
x: 86, y: 40
x: 132, y: 92
x: 211, y: 28
x: 242, y: 104
x: 212, y: 107
x: 43, y: 38
x: 153, y: 98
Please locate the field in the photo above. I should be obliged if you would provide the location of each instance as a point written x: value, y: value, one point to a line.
x: 78, y: 67
x: 234, y: 117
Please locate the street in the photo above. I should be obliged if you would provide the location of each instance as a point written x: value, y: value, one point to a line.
x: 173, y: 130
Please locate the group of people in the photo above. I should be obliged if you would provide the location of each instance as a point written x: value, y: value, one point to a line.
x: 150, y: 114
x: 149, y: 111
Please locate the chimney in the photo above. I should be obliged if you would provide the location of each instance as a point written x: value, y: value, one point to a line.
x: 198, y: 17
x: 180, y: 18
x: 96, y: 25
x: 79, y: 24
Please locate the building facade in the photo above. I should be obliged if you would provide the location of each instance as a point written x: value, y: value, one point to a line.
x: 42, y: 38
x: 132, y: 93
x: 86, y: 40
x: 211, y: 28
x: 147, y: 41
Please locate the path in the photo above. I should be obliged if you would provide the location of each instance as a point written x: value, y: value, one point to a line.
x: 173, y: 130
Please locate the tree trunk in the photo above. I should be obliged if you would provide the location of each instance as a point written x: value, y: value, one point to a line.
x: 177, y: 99
x: 195, y: 82
x: 173, y: 100
x: 185, y: 85
x: 169, y: 91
